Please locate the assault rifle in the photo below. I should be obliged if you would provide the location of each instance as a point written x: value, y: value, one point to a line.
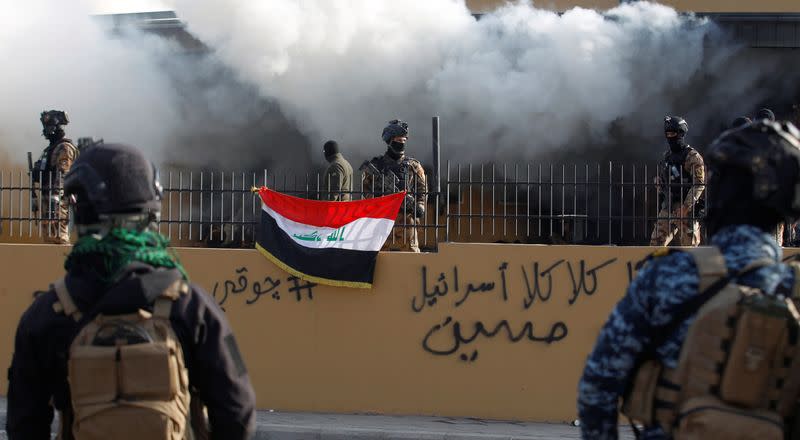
x: 391, y: 184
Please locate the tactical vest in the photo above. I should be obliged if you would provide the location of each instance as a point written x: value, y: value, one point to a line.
x: 738, y: 375
x: 45, y: 165
x: 127, y: 376
x: 676, y: 181
x: 401, y: 169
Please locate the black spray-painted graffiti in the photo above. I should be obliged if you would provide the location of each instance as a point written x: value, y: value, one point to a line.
x: 451, y: 336
x: 441, y: 288
x: 263, y: 286
x: 455, y: 337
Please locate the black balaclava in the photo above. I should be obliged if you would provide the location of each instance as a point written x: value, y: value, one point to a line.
x: 396, y: 149
x: 331, y: 149
x: 53, y: 133
x: 677, y: 143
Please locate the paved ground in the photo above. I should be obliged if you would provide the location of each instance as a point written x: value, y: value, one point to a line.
x: 309, y: 426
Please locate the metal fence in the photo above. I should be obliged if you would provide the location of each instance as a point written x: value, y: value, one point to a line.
x: 519, y: 203
x: 548, y: 203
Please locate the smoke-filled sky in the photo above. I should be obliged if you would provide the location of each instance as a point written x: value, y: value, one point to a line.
x: 55, y: 56
x: 282, y: 76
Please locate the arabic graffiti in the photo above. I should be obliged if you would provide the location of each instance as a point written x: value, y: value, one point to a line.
x: 536, y: 291
x: 579, y: 281
x: 337, y: 235
x: 583, y: 280
x: 448, y: 289
x: 455, y: 337
x: 262, y: 286
x: 441, y: 288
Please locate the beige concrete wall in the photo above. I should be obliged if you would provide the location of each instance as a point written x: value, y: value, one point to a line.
x: 478, y: 6
x: 458, y: 333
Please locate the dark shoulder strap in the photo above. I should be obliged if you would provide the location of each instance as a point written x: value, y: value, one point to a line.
x: 685, y: 153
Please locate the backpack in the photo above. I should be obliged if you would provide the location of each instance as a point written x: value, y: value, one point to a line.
x: 738, y: 375
x: 126, y: 373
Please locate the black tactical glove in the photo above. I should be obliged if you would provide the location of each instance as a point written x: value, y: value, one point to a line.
x: 419, y: 211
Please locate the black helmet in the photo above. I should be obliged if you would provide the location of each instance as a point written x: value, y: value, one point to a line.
x: 395, y: 128
x: 113, y: 181
x: 754, y: 176
x: 53, y: 117
x: 676, y: 124
x: 52, y: 124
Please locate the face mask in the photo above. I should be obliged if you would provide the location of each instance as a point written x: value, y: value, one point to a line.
x: 676, y: 144
x: 397, y: 147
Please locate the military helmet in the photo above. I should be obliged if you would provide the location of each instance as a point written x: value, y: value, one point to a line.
x: 395, y: 128
x: 765, y: 154
x: 53, y: 118
x: 111, y: 180
x: 676, y: 124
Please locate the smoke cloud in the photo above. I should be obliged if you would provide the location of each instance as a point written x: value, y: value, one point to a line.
x: 57, y: 57
x: 518, y: 83
x: 281, y: 77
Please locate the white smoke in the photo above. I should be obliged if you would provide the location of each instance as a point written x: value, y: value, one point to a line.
x: 56, y: 56
x: 516, y: 83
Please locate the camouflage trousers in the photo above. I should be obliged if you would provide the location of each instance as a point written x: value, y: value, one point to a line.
x: 404, y: 235
x: 55, y: 222
x: 686, y: 230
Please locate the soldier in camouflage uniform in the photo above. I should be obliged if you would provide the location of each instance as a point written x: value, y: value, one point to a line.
x: 754, y: 175
x: 680, y: 185
x: 395, y: 165
x: 48, y: 173
x: 338, y: 177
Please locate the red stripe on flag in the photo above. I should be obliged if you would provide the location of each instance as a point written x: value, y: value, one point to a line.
x: 331, y: 214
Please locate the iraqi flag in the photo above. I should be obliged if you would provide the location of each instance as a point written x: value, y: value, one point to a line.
x: 333, y: 243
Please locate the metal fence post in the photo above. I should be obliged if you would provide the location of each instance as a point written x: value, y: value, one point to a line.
x: 437, y: 184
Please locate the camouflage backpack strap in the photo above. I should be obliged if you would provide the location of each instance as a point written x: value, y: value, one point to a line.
x: 710, y: 265
x: 163, y: 304
x: 65, y: 304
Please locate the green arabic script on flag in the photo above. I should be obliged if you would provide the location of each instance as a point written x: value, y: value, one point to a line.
x: 337, y: 235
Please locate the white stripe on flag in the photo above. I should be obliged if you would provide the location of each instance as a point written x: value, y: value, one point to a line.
x: 364, y: 234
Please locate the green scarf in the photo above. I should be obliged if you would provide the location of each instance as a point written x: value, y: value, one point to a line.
x: 119, y: 248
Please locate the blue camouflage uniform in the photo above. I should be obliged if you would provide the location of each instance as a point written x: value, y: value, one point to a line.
x: 652, y: 299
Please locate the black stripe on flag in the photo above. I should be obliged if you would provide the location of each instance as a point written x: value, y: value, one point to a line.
x: 338, y: 267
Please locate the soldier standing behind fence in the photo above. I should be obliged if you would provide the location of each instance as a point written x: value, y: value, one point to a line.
x: 338, y: 177
x: 48, y: 173
x: 392, y: 172
x: 680, y: 183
